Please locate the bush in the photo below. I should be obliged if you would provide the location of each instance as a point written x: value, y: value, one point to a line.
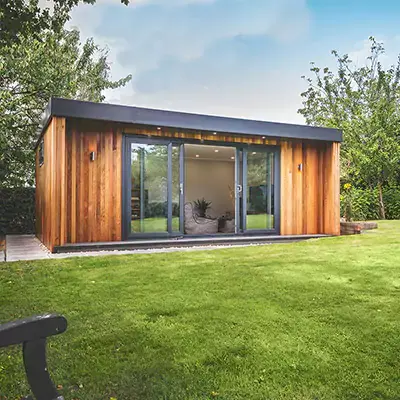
x: 391, y: 199
x: 157, y: 209
x: 364, y: 203
x: 17, y: 210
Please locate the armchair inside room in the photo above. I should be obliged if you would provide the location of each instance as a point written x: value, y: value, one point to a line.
x: 195, y: 225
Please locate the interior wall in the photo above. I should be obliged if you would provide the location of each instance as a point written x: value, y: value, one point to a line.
x: 213, y: 180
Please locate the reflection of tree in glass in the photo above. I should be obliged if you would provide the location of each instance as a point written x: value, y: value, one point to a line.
x: 155, y: 161
x: 259, y: 168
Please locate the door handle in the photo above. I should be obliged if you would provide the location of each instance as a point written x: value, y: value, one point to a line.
x: 239, y: 188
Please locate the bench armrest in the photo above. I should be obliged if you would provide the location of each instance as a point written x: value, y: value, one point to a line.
x: 31, y: 329
x: 32, y: 333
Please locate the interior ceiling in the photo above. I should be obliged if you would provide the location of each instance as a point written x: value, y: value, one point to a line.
x: 207, y: 152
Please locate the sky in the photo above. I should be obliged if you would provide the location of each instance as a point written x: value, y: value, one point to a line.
x: 240, y: 58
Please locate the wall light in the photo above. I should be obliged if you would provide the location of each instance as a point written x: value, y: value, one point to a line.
x: 216, y: 151
x: 300, y: 167
x: 158, y: 128
x: 197, y: 156
x: 214, y: 133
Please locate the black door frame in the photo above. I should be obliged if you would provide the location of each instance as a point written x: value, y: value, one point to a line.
x: 240, y: 171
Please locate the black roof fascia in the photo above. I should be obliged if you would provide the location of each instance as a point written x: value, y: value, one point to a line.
x: 171, y: 119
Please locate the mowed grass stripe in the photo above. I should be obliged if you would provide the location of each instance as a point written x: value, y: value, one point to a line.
x: 310, y: 320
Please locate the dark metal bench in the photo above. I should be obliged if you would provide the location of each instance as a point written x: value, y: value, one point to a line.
x: 32, y: 334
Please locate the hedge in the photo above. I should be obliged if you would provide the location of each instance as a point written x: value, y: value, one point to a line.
x: 365, y: 203
x: 17, y: 210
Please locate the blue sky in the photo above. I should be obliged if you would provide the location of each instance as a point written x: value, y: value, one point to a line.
x: 240, y: 58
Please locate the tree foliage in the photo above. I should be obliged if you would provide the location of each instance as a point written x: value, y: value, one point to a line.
x: 362, y: 101
x: 25, y: 18
x: 33, y: 70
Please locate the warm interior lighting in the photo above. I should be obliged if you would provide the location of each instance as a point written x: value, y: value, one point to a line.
x: 197, y: 156
x: 216, y: 151
x: 232, y: 158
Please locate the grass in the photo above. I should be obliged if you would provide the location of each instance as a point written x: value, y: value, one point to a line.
x: 156, y: 224
x: 260, y: 221
x: 311, y: 320
x: 159, y: 224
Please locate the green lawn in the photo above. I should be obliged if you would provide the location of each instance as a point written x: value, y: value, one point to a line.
x: 158, y: 224
x: 310, y: 320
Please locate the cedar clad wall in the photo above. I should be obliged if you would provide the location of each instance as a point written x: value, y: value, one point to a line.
x: 78, y: 200
x: 94, y: 187
x: 310, y: 198
x: 50, y: 190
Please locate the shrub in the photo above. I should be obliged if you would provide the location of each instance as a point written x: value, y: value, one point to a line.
x: 17, y: 210
x: 363, y: 204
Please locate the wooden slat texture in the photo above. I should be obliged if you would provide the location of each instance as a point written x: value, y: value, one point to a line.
x: 310, y: 189
x: 310, y: 198
x: 331, y: 189
x: 78, y: 200
x: 94, y: 195
x: 297, y: 181
x: 151, y: 132
x: 51, y: 211
x: 286, y: 188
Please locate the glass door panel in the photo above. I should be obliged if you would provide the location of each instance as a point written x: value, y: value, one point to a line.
x: 149, y: 188
x: 260, y: 190
x: 175, y: 188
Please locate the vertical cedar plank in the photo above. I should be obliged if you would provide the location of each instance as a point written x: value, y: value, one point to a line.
x: 310, y: 187
x: 286, y: 187
x: 72, y: 194
x: 117, y: 157
x: 62, y: 179
x: 327, y: 188
x: 68, y: 145
x: 331, y: 189
x: 321, y: 188
x: 297, y: 178
x: 80, y: 217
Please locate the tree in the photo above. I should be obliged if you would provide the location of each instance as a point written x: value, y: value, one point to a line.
x: 364, y: 103
x: 25, y: 18
x: 33, y: 70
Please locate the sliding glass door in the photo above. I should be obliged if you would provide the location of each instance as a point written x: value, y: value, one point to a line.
x: 240, y: 183
x: 258, y: 189
x: 155, y: 189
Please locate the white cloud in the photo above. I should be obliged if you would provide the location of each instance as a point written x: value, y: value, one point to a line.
x: 185, y: 32
x: 361, y: 50
x: 146, y: 38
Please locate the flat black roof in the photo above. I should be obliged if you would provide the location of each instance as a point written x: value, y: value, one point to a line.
x: 180, y: 120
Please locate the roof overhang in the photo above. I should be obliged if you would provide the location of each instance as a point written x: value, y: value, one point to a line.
x: 171, y: 119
